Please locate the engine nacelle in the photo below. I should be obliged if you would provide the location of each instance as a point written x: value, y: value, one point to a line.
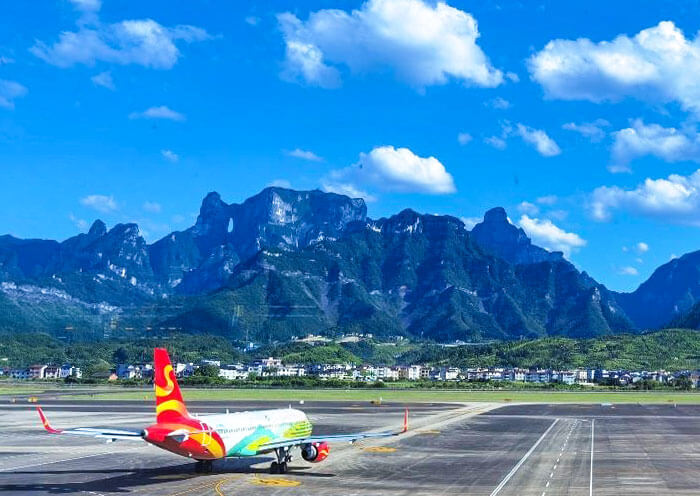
x: 315, y: 452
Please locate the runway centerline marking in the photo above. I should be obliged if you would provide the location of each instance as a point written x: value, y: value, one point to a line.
x: 590, y: 483
x: 522, y: 460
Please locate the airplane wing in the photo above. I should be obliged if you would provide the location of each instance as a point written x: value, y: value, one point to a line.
x: 350, y: 438
x: 110, y: 434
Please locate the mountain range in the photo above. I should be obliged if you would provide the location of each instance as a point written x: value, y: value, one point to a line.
x: 285, y: 263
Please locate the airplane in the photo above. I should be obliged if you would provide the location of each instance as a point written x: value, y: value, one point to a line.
x: 210, y: 437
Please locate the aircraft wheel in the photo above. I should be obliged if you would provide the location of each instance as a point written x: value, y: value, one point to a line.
x: 275, y: 468
x: 198, y: 467
x: 283, y: 468
x: 208, y: 466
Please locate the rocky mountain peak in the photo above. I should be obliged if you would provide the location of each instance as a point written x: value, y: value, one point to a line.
x: 97, y: 229
x: 497, y: 236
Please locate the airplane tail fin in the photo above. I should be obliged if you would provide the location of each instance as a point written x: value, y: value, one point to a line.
x: 169, y: 403
x: 405, y: 421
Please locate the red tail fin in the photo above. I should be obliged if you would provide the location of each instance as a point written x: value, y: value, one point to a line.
x: 169, y: 404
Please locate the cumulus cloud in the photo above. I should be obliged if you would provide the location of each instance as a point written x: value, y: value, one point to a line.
x: 496, y: 142
x: 545, y: 233
x: 152, y: 207
x: 544, y: 145
x: 101, y: 203
x: 656, y: 64
x: 667, y: 143
x: 547, y: 200
x: 304, y: 155
x: 104, y: 79
x: 629, y: 271
x: 9, y: 92
x: 140, y: 41
x: 498, y: 103
x: 395, y: 169
x: 642, y: 247
x: 346, y: 189
x: 464, y: 138
x: 161, y: 112
x: 528, y: 208
x: 592, y: 130
x: 422, y: 43
x: 81, y: 224
x: 170, y: 155
x: 673, y: 199
x: 470, y: 222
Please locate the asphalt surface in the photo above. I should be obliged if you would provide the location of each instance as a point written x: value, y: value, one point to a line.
x: 479, y: 449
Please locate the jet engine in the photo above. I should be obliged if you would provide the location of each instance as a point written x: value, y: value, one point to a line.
x: 315, y: 452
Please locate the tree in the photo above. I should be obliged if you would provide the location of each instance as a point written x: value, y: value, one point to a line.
x: 208, y: 370
x: 120, y: 355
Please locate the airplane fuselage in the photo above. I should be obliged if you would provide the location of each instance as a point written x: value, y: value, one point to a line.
x: 209, y: 437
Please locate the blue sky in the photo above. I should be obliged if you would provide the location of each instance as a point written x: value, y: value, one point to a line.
x: 580, y: 118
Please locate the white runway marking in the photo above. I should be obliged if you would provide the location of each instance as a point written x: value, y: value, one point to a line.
x: 56, y: 461
x: 522, y: 460
x: 590, y: 484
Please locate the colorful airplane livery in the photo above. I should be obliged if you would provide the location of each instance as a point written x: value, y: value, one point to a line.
x: 210, y: 437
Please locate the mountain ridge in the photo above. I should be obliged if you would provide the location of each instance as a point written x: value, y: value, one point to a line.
x: 250, y: 267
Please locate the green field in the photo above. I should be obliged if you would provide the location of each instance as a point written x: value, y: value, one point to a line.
x: 410, y: 396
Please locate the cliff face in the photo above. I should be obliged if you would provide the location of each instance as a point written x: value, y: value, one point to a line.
x: 288, y: 262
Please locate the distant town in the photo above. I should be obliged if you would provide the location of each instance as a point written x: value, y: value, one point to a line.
x: 272, y: 367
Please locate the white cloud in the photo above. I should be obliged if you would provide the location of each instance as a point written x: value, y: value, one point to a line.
x: 495, y: 142
x: 103, y: 79
x: 545, y: 145
x: 667, y: 143
x: 528, y: 208
x: 629, y: 271
x: 464, y: 138
x: 101, y: 203
x: 170, y: 155
x: 9, y: 91
x: 161, y: 112
x: 547, y: 200
x: 346, y: 189
x: 421, y: 43
x: 152, y: 207
x: 6, y: 60
x: 498, y: 103
x: 470, y: 222
x: 513, y: 77
x: 656, y: 64
x: 545, y: 233
x: 591, y: 130
x: 81, y: 224
x: 141, y: 41
x: 252, y: 20
x: 642, y: 247
x: 396, y: 169
x: 674, y: 199
x: 304, y: 155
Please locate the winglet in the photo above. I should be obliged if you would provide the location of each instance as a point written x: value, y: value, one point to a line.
x: 405, y: 421
x: 45, y: 422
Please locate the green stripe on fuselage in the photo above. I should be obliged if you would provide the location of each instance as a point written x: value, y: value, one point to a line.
x: 250, y: 444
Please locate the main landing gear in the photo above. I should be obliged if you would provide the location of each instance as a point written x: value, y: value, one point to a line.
x: 283, y: 457
x: 203, y: 466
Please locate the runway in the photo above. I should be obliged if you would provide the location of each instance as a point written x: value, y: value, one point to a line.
x: 479, y: 449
